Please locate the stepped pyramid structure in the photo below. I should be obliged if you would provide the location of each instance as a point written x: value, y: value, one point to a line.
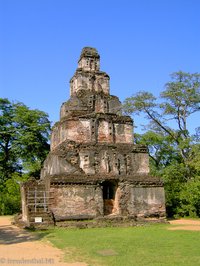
x: 93, y: 169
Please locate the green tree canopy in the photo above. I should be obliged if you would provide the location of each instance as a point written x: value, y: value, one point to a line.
x: 24, y: 136
x: 169, y: 114
x: 174, y: 151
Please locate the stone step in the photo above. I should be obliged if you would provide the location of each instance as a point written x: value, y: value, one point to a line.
x: 42, y: 214
x: 33, y: 210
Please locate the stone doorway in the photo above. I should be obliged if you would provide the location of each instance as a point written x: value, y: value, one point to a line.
x: 109, y: 192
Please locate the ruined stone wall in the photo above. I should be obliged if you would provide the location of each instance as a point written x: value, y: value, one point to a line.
x: 90, y: 103
x: 23, y: 190
x: 75, y: 130
x: 86, y: 81
x: 105, y: 159
x: 146, y: 201
x: 76, y: 201
x: 123, y: 133
x: 89, y: 130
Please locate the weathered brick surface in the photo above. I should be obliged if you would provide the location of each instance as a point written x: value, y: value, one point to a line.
x: 76, y: 201
x: 146, y: 201
x: 93, y: 168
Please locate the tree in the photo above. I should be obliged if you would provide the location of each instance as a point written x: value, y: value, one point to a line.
x: 171, y: 145
x: 24, y: 136
x: 160, y: 149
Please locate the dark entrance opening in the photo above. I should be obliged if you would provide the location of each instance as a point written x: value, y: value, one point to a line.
x: 109, y: 190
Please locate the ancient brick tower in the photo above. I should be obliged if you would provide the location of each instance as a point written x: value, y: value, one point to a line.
x: 93, y: 169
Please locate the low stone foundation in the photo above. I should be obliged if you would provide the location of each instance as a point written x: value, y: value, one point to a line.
x: 101, y: 222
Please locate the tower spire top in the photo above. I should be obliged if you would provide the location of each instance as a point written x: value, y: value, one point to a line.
x: 88, y: 77
x: 89, y: 52
x: 89, y: 59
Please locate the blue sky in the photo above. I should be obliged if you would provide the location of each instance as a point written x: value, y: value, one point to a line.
x: 140, y: 42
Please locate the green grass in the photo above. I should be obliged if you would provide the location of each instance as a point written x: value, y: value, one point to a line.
x: 149, y: 245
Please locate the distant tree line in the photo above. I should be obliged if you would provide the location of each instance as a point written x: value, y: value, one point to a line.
x: 174, y: 151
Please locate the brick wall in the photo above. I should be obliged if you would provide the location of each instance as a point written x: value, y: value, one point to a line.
x: 76, y: 201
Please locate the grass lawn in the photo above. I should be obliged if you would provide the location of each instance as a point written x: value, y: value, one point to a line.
x: 149, y: 245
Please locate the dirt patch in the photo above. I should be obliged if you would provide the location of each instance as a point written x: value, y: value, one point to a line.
x: 185, y: 224
x: 107, y: 252
x: 19, y: 247
x: 188, y: 227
